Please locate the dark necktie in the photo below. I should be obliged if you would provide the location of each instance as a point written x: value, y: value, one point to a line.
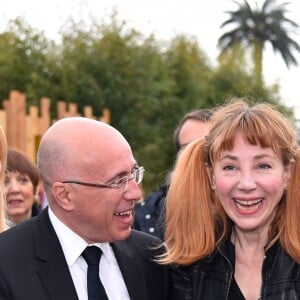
x: 95, y: 288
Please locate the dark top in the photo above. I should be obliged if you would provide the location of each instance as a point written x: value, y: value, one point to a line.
x: 234, y: 291
x: 35, y: 209
x: 213, y: 277
x: 150, y: 214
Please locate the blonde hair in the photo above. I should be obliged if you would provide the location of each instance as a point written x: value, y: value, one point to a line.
x: 196, y: 221
x: 3, y: 159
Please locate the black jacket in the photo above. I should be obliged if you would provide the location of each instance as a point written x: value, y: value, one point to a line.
x: 33, y: 265
x: 211, y: 277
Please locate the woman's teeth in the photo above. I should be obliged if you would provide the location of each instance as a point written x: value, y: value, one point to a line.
x: 246, y: 205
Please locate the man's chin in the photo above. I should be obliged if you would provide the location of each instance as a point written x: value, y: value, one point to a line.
x: 123, y: 235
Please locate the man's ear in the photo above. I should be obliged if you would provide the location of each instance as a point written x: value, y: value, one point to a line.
x: 61, y: 194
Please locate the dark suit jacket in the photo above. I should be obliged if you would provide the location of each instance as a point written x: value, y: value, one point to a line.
x: 33, y: 266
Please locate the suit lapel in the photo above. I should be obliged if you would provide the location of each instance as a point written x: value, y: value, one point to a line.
x: 131, y: 271
x: 52, y: 267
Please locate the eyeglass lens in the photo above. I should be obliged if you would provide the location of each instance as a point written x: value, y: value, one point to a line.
x: 136, y: 175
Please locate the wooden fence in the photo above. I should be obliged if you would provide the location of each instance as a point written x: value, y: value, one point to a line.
x: 24, y: 130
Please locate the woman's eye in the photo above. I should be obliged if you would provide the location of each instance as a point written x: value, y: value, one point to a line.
x: 228, y: 168
x: 264, y: 166
x: 24, y: 179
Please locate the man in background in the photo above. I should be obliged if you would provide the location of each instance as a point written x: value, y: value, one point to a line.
x: 149, y: 214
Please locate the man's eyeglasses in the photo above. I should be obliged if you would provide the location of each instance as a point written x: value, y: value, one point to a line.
x: 120, y: 185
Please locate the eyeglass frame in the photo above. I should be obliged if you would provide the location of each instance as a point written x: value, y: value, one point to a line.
x: 116, y: 185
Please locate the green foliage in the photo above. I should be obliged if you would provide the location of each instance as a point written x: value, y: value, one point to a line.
x: 147, y: 85
x: 23, y: 61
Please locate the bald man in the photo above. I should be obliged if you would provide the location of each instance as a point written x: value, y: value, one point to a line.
x: 91, y: 180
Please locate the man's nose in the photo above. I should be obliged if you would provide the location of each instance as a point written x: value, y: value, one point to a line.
x: 133, y: 191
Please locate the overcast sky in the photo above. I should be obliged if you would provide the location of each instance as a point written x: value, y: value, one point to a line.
x: 164, y: 18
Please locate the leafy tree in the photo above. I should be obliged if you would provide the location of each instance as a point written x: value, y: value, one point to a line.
x: 185, y: 85
x: 256, y: 26
x: 233, y: 77
x: 23, y: 61
x: 130, y: 78
x: 147, y: 85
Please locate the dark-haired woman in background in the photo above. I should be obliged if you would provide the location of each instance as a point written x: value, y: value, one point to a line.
x: 21, y: 183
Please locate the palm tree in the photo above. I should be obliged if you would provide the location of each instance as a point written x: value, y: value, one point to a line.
x: 255, y: 27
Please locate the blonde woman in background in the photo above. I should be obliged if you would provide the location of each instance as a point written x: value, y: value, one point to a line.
x: 3, y: 153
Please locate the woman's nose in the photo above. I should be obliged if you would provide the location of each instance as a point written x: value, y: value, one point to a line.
x: 247, y: 181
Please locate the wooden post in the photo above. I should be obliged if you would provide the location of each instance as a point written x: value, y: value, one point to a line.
x: 16, y: 121
x: 32, y: 122
x: 105, y: 116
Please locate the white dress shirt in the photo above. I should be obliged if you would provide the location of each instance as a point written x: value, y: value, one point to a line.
x: 110, y: 274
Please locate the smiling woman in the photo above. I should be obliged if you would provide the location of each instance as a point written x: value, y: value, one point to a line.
x: 21, y: 183
x: 233, y: 229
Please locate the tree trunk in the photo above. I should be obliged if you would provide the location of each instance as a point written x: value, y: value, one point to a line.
x: 258, y: 62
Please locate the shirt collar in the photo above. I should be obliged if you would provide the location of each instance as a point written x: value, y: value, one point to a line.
x: 71, y: 243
